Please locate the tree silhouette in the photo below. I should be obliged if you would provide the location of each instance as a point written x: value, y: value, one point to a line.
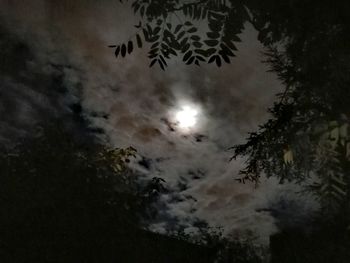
x: 64, y: 198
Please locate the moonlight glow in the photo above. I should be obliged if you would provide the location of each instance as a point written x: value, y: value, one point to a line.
x: 187, y: 117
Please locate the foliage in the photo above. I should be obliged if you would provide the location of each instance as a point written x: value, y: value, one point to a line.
x: 225, y: 20
x: 322, y: 245
x: 307, y: 135
x: 225, y: 248
x: 62, y: 193
x: 67, y: 198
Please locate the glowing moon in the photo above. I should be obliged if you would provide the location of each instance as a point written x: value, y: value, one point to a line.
x: 187, y: 117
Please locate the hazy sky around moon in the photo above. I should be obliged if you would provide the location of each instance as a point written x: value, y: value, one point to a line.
x: 138, y: 106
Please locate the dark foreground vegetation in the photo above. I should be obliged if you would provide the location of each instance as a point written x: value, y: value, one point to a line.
x: 66, y: 198
x: 325, y: 245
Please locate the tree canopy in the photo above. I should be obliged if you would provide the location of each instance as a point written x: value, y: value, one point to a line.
x: 60, y: 194
x: 65, y: 197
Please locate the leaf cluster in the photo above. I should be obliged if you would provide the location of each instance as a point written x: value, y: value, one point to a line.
x: 166, y: 38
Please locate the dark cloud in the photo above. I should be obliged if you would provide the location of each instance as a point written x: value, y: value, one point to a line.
x: 145, y: 162
x: 30, y: 91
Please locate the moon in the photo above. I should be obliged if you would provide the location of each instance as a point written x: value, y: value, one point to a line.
x: 187, y: 117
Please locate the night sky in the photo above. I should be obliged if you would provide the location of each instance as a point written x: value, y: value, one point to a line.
x: 129, y: 104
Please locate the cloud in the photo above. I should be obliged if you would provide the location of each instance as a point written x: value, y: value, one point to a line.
x: 133, y: 104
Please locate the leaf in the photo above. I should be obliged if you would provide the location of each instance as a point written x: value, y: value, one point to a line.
x: 172, y: 51
x: 230, y: 45
x: 218, y: 61
x: 204, y: 14
x: 226, y: 50
x: 161, y: 64
x: 212, y: 59
x: 177, y: 29
x: 164, y: 46
x: 214, y: 26
x: 201, y: 52
x: 145, y: 33
x: 154, y: 50
x: 185, y: 48
x: 153, y: 62
x: 184, y: 42
x: 190, y: 9
x: 235, y: 38
x: 118, y: 167
x: 213, y: 35
x: 167, y: 34
x: 130, y: 47
x: 136, y: 8
x: 211, y: 43
x: 187, y: 55
x: 180, y: 35
x: 123, y: 50
x: 139, y: 41
x: 188, y: 23
x: 195, y: 38
x: 163, y: 60
x: 199, y: 13
x: 149, y: 29
x: 165, y: 53
x: 155, y: 38
x: 154, y: 45
x: 156, y: 30
x: 225, y: 58
x: 197, y: 44
x: 190, y: 61
x: 153, y: 55
x: 192, y: 30
x: 216, y: 16
x: 116, y: 52
x: 200, y: 58
x: 174, y: 44
x: 139, y: 25
x: 112, y: 46
x: 210, y: 51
